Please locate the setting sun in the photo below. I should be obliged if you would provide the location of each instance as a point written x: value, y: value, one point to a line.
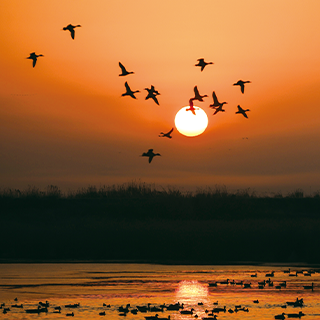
x: 190, y: 124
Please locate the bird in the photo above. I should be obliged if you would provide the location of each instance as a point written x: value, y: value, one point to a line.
x: 280, y: 316
x: 124, y: 70
x: 129, y: 92
x: 197, y: 95
x: 150, y: 154
x: 168, y: 134
x: 202, y: 63
x: 102, y: 313
x: 243, y: 112
x: 187, y: 311
x: 309, y: 287
x: 191, y: 108
x: 241, y: 84
x: 216, y: 102
x: 71, y: 28
x: 33, y: 56
x: 152, y: 93
x: 70, y: 314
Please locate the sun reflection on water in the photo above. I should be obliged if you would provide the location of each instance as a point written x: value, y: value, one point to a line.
x: 191, y: 291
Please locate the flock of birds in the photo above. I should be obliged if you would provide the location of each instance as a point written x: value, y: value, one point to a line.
x: 153, y: 93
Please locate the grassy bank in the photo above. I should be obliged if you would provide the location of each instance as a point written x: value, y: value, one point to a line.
x: 140, y: 222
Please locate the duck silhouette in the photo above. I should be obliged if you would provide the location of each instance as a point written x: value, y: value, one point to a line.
x: 241, y: 84
x: 152, y: 93
x: 216, y: 104
x: 150, y: 154
x: 33, y: 56
x: 124, y: 70
x: 129, y: 92
x: 242, y: 111
x: 201, y: 63
x: 191, y: 108
x: 197, y: 95
x: 168, y: 134
x: 71, y: 28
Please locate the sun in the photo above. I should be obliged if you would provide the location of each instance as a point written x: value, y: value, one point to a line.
x: 189, y: 124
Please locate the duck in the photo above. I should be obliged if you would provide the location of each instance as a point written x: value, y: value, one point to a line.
x: 308, y: 287
x: 201, y: 63
x: 155, y: 317
x: 150, y: 154
x: 256, y: 301
x: 102, y: 313
x: 197, y: 95
x: 243, y: 112
x: 295, y: 315
x: 241, y: 84
x: 152, y: 93
x: 124, y: 71
x: 224, y: 282
x: 191, y: 108
x: 71, y: 28
x: 129, y: 92
x: 70, y: 314
x: 187, y: 311
x: 33, y: 56
x: 280, y: 316
x: 253, y: 275
x: 168, y: 134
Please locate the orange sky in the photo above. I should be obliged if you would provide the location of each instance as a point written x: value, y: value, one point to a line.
x: 64, y: 122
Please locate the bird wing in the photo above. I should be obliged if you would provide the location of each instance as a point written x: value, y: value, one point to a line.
x: 155, y: 99
x: 215, y: 99
x: 196, y: 91
x: 217, y: 110
x: 123, y: 69
x: 34, y: 61
x: 127, y: 86
x: 150, y: 158
x: 242, y: 87
x: 240, y: 109
x: 170, y: 131
x: 72, y: 33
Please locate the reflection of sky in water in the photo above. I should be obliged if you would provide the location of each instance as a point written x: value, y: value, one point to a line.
x: 191, y: 291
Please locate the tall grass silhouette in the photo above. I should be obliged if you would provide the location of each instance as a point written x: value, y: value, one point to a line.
x: 141, y: 222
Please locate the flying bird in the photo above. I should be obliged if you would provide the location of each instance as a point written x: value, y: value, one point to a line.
x: 124, y: 70
x: 129, y: 92
x: 242, y: 111
x: 150, y: 154
x: 217, y: 109
x: 197, y: 95
x: 202, y: 63
x: 168, y: 134
x: 241, y: 84
x: 191, y: 108
x: 216, y: 104
x: 71, y: 28
x: 152, y: 93
x: 33, y: 56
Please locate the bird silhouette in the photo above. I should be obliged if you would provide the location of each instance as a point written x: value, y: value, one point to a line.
x: 202, y: 63
x: 191, y: 108
x: 33, y: 56
x: 129, y: 92
x: 197, y: 95
x: 71, y: 28
x: 168, y: 134
x: 241, y: 84
x: 124, y: 70
x: 152, y: 93
x: 216, y: 104
x: 242, y: 111
x: 150, y: 154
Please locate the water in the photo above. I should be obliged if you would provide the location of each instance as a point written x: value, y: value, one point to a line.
x: 91, y: 285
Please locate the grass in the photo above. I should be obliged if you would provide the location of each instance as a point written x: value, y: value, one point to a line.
x: 138, y: 221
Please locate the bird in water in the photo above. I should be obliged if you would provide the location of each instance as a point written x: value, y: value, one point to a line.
x: 71, y: 28
x: 168, y: 134
x: 124, y: 70
x: 150, y: 154
x: 152, y: 93
x: 33, y: 56
x: 129, y: 92
x: 218, y: 106
x: 191, y: 108
x: 241, y: 84
x: 197, y: 95
x: 202, y: 63
x: 242, y: 111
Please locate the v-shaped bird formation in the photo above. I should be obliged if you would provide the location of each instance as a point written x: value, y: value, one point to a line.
x: 153, y: 93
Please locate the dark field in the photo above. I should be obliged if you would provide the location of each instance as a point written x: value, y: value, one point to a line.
x: 136, y: 222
